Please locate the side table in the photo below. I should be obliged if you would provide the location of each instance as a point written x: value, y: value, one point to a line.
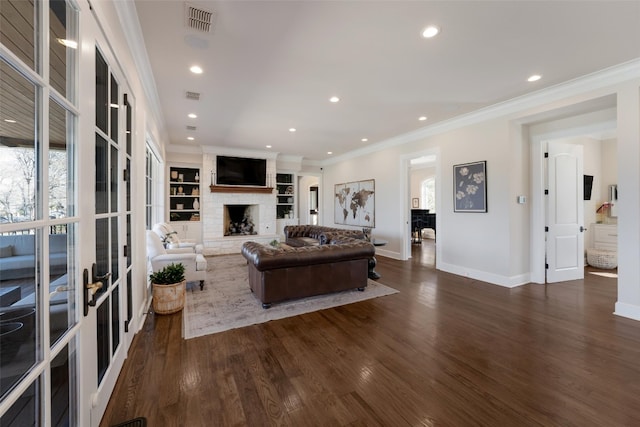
x: 373, y: 274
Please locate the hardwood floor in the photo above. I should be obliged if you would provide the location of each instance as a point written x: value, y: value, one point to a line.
x: 444, y: 351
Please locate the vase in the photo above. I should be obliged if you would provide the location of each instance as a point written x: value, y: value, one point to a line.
x: 174, y: 175
x: 196, y: 204
x: 180, y: 190
x: 197, y: 177
x: 168, y: 299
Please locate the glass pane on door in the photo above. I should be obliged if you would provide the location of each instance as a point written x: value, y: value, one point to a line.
x: 102, y: 92
x: 18, y: 29
x: 18, y: 150
x: 102, y: 337
x: 19, y: 307
x: 63, y: 383
x: 62, y: 287
x: 62, y: 47
x: 102, y: 175
x: 60, y: 174
x: 25, y: 411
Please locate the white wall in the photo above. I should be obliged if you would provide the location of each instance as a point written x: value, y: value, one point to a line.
x: 494, y: 246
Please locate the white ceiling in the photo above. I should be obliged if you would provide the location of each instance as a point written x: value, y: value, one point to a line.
x: 272, y: 65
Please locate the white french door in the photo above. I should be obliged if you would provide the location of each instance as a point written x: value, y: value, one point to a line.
x: 107, y: 269
x: 565, y: 213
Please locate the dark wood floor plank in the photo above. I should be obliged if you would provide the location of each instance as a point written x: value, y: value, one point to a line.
x: 446, y: 351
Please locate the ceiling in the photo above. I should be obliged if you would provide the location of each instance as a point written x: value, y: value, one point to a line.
x: 273, y: 65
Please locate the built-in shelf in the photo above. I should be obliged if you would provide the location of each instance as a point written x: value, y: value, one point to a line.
x: 239, y: 189
x: 184, y: 194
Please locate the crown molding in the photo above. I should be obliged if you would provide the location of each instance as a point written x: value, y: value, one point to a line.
x: 128, y: 16
x: 600, y: 79
x: 241, y: 152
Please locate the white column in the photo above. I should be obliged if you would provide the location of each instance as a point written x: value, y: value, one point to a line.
x: 628, y: 304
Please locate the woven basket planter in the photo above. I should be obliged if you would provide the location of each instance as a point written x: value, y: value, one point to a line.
x: 169, y: 299
x: 601, y: 258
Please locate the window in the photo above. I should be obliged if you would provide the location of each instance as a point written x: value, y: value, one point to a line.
x: 153, y: 205
x: 428, y: 192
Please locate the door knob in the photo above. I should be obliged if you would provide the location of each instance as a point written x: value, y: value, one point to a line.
x: 90, y: 289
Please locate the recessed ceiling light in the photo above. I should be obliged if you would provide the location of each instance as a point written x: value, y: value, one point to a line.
x: 364, y: 139
x: 190, y: 138
x: 329, y: 152
x: 195, y: 69
x: 534, y: 78
x: 268, y: 146
x: 10, y: 121
x: 334, y: 99
x: 292, y: 129
x: 422, y: 118
x: 193, y: 116
x: 68, y: 43
x: 430, y: 31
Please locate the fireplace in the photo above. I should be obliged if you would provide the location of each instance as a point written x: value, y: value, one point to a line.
x: 241, y: 220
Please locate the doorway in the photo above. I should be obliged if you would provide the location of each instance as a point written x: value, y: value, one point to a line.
x: 309, y: 194
x: 422, y: 178
x: 591, y: 124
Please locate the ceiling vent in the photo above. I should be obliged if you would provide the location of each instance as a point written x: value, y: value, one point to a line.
x: 195, y: 96
x: 198, y: 19
x: 191, y: 128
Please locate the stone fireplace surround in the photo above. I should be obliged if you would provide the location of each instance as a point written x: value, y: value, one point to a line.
x: 213, y: 214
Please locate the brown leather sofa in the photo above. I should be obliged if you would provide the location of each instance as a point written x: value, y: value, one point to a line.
x: 313, y: 235
x: 280, y: 274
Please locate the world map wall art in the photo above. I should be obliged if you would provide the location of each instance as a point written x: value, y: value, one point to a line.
x: 355, y: 203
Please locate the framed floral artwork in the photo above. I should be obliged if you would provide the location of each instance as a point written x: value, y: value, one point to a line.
x: 470, y: 187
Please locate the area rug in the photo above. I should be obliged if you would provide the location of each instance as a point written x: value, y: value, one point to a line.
x: 227, y: 302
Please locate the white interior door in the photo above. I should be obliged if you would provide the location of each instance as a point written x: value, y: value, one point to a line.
x: 565, y: 216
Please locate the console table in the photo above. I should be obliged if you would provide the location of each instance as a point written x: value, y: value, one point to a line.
x: 373, y: 274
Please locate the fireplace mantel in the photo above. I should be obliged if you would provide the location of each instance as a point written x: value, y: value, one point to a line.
x: 239, y: 189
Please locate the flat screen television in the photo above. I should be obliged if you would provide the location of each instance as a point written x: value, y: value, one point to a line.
x: 241, y: 171
x: 588, y: 186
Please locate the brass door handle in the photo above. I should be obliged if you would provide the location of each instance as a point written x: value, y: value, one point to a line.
x: 90, y: 289
x: 93, y: 287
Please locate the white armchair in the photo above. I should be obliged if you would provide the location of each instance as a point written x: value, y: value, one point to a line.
x: 167, y: 234
x: 195, y: 265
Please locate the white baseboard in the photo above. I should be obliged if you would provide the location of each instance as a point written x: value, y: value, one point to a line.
x: 494, y: 279
x: 627, y: 310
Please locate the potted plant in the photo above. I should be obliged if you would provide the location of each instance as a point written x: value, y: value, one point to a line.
x: 169, y: 289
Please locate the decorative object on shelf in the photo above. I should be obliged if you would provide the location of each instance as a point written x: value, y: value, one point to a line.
x: 470, y: 187
x: 355, y: 203
x: 179, y: 206
x: 289, y: 190
x: 602, y: 213
x: 180, y: 190
x: 169, y: 289
x: 367, y: 233
x: 196, y: 204
x: 197, y: 178
x: 173, y: 191
x: 174, y: 175
x: 195, y: 191
x: 290, y: 200
x: 180, y: 177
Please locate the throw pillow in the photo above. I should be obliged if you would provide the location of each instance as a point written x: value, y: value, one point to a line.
x: 6, y: 251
